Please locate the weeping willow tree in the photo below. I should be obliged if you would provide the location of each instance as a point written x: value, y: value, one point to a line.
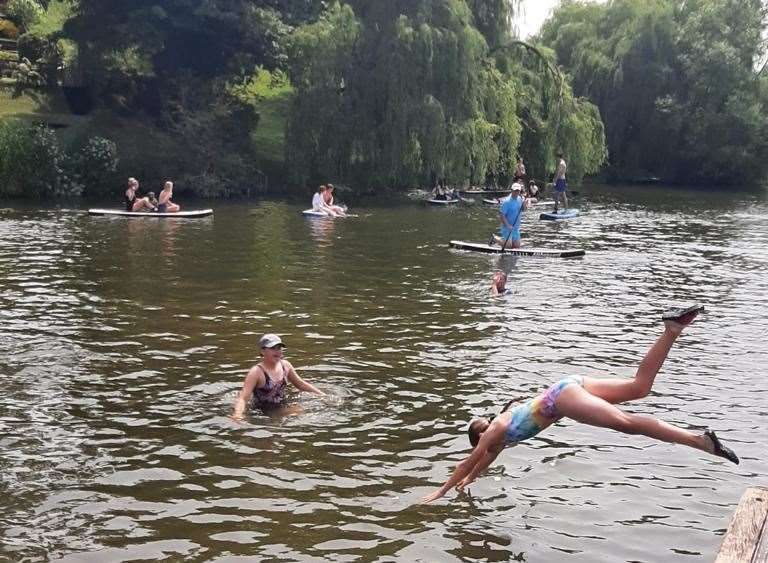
x: 401, y: 93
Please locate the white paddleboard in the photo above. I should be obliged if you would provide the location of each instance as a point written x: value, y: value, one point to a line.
x: 180, y: 214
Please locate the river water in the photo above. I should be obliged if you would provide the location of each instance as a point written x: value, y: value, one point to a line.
x: 123, y: 343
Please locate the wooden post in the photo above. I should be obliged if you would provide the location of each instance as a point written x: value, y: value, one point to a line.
x: 746, y: 540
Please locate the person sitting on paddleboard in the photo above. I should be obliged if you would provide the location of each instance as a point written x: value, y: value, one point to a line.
x: 533, y: 190
x: 328, y: 198
x: 132, y: 200
x: 499, y: 284
x: 510, y: 215
x: 265, y: 385
x: 318, y: 202
x: 587, y: 400
x: 152, y: 199
x: 440, y: 192
x: 164, y: 203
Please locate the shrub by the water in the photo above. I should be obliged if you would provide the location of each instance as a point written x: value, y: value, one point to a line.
x: 34, y: 164
x: 26, y: 12
x: 95, y: 163
x: 30, y: 160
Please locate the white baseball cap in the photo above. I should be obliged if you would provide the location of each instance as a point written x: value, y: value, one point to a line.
x: 270, y: 341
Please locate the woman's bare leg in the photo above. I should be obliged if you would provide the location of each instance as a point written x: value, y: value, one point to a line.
x: 622, y: 390
x: 582, y: 406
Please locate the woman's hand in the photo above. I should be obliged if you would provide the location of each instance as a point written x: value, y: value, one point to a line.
x: 433, y: 496
x: 465, y: 482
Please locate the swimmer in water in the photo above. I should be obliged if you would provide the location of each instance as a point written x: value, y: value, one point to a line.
x: 499, y: 284
x: 587, y: 400
x: 264, y: 386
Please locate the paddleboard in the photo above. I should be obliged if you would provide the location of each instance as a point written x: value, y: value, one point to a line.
x: 323, y: 214
x: 485, y: 192
x: 180, y: 214
x: 313, y: 213
x: 442, y: 201
x: 491, y: 201
x: 562, y: 215
x: 496, y: 249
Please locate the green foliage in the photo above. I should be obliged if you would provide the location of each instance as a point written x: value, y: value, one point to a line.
x: 52, y: 19
x: 674, y: 81
x: 32, y: 163
x: 270, y: 95
x: 400, y: 96
x: 26, y: 12
x: 95, y: 163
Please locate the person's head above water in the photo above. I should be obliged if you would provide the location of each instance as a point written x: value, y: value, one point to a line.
x: 271, y: 347
x: 500, y: 281
x: 476, y: 429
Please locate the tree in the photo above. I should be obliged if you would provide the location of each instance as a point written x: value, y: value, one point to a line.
x: 675, y: 82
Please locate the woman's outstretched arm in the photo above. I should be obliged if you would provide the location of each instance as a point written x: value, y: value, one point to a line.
x: 489, y: 447
x: 487, y: 459
x: 300, y: 384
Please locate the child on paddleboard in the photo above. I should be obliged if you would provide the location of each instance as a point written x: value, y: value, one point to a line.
x: 590, y: 401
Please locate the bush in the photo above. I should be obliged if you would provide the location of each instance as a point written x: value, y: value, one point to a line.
x: 8, y: 30
x: 32, y: 163
x: 38, y: 48
x: 26, y: 12
x: 95, y: 163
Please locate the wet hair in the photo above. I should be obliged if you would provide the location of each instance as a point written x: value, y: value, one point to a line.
x: 322, y: 188
x: 474, y: 431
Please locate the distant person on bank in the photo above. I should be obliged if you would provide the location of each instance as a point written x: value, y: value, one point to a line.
x: 265, y: 385
x: 133, y: 202
x: 510, y: 215
x: 164, y: 203
x: 520, y: 170
x: 560, y: 184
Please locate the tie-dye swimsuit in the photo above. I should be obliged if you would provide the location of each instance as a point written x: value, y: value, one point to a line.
x: 535, y: 415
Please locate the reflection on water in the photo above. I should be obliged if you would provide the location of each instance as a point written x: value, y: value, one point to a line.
x: 124, y: 342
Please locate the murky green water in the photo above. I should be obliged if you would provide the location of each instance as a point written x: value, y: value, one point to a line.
x: 124, y: 341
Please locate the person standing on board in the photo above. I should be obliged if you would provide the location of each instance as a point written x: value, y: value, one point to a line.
x: 510, y: 215
x: 264, y: 386
x: 560, y: 184
x: 587, y: 400
x: 132, y: 200
x: 164, y: 203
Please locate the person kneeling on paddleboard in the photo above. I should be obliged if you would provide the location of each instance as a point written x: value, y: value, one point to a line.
x: 587, y: 400
x: 510, y: 215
